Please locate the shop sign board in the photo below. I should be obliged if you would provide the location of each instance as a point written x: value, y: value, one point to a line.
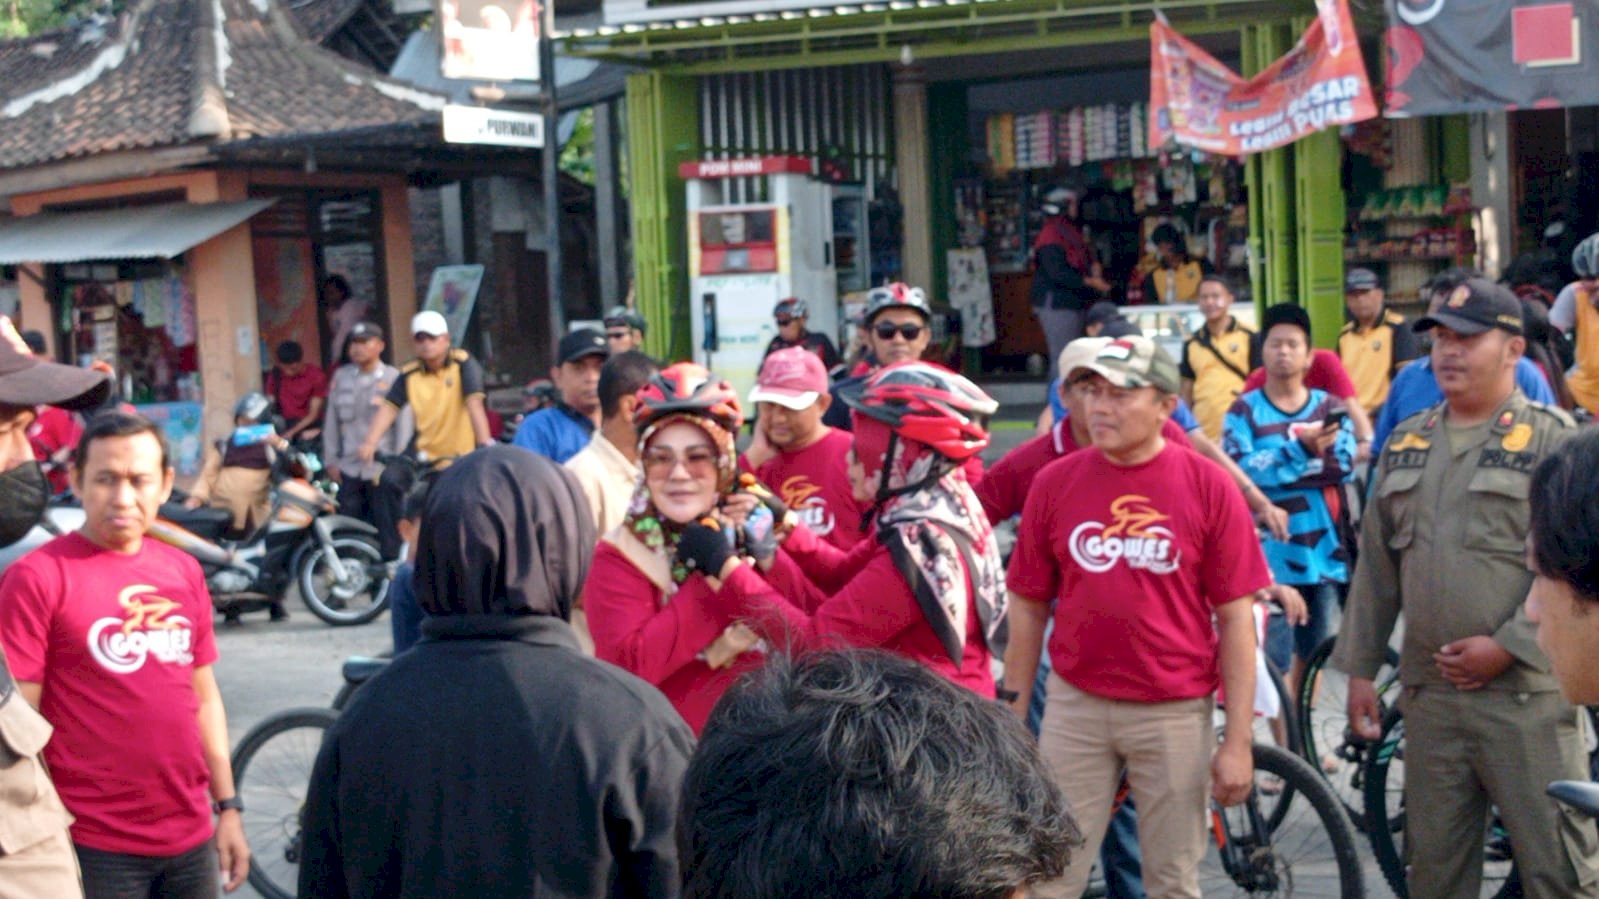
x: 481, y: 125
x: 489, y: 40
x: 1449, y: 56
x: 1198, y: 102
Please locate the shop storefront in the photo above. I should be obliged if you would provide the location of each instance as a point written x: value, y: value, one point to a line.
x: 953, y: 121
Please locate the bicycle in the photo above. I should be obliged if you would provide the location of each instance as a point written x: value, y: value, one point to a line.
x: 271, y: 773
x: 1297, y: 841
x: 1326, y: 741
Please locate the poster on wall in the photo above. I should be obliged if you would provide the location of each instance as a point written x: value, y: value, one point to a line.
x: 453, y: 293
x: 970, y: 294
x: 285, y: 282
x: 1196, y: 101
x: 182, y: 423
x: 490, y: 40
x: 1449, y: 56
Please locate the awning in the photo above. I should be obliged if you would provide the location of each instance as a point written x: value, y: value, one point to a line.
x: 137, y: 232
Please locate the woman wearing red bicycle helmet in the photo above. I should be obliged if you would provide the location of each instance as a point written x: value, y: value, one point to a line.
x: 649, y: 612
x: 931, y: 585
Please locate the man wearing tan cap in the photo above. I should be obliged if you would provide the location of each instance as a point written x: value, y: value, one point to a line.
x: 36, y: 857
x: 1125, y: 538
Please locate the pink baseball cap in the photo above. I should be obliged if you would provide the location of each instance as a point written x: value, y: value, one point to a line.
x: 792, y: 378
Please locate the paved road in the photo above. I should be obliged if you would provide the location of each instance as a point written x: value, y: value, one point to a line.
x: 266, y: 668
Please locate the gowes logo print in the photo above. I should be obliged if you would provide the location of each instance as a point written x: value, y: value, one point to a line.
x: 147, y: 627
x: 1135, y: 535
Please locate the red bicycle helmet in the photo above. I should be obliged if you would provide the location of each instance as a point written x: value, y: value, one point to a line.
x: 930, y: 405
x: 689, y: 389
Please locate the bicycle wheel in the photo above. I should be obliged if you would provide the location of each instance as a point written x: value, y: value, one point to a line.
x: 354, y: 591
x: 271, y: 770
x: 1385, y: 807
x: 1325, y: 740
x: 1310, y: 852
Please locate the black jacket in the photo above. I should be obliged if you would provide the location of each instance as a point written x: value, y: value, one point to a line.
x: 495, y: 759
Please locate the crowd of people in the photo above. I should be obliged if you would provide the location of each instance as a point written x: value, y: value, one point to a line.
x: 634, y: 660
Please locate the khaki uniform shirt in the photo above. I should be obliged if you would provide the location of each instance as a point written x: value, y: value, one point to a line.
x: 1445, y: 541
x: 353, y: 398
x: 36, y: 857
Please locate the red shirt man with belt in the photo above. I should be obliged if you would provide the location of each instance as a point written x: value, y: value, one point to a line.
x: 109, y: 636
x: 799, y: 458
x: 1151, y: 556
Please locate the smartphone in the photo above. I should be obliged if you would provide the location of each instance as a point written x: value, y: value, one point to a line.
x: 1335, y: 419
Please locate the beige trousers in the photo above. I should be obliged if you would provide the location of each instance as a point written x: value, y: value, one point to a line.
x: 1165, y: 749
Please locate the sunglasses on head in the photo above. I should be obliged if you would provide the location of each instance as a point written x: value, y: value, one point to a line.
x: 907, y: 330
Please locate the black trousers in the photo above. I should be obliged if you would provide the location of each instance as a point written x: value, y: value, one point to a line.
x: 117, y: 875
x: 387, y: 500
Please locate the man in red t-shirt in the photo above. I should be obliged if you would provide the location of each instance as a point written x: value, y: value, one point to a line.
x: 798, y: 457
x: 1327, y: 373
x: 1151, y: 556
x: 110, y: 637
x: 300, y: 389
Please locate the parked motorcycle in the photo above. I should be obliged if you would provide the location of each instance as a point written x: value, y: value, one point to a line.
x: 333, y: 558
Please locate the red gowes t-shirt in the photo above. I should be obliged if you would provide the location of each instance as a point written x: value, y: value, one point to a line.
x: 1003, y: 490
x: 1326, y: 372
x: 115, y: 640
x: 814, y: 482
x: 1137, y: 558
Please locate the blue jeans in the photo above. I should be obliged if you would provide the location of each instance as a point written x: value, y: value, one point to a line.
x: 405, y: 615
x: 1119, y: 857
x: 1325, y: 603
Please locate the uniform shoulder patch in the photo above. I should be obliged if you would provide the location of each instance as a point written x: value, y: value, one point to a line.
x: 1393, y: 318
x: 409, y: 367
x: 459, y: 355
x: 1555, y: 412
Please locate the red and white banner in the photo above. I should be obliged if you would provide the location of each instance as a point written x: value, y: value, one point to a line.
x: 1197, y: 102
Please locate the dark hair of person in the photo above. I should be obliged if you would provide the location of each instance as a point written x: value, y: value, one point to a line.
x: 339, y: 283
x: 116, y: 423
x: 860, y: 773
x: 416, y: 499
x: 290, y: 352
x: 1543, y: 350
x: 1217, y: 279
x: 622, y: 375
x: 1564, y: 519
x: 35, y: 340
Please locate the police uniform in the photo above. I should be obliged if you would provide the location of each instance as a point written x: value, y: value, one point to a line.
x: 353, y: 400
x: 1444, y: 541
x: 36, y: 856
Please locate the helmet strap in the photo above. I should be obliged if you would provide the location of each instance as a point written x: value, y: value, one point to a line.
x: 943, y: 466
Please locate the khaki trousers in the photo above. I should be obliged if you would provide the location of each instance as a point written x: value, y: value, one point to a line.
x: 1467, y: 752
x: 1165, y: 749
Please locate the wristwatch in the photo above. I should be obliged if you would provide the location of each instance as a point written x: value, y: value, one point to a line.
x: 232, y: 802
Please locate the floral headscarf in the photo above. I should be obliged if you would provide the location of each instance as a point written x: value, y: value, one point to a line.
x: 660, y: 534
x: 930, y: 530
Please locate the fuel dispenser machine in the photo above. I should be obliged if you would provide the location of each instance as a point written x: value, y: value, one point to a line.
x: 744, y: 257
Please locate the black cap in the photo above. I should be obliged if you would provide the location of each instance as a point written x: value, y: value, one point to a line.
x: 1102, y: 313
x: 583, y: 342
x: 1358, y: 279
x: 1285, y: 314
x: 1475, y: 306
x: 366, y: 331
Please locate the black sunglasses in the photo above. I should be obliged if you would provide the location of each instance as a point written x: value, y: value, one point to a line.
x: 908, y: 330
x: 784, y: 320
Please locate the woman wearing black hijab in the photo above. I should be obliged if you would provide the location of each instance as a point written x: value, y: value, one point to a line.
x: 494, y: 758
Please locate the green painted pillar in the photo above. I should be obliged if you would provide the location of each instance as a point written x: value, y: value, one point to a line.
x: 1319, y: 233
x: 663, y: 131
x: 1271, y: 187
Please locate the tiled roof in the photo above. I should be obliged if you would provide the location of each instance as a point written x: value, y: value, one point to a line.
x: 320, y: 18
x: 170, y: 72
